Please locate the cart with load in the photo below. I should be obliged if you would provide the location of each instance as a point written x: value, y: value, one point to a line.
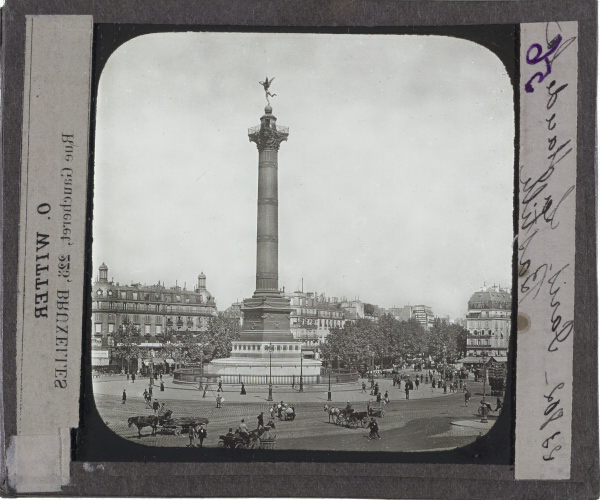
x: 181, y: 424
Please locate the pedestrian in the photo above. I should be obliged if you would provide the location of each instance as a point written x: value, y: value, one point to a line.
x: 243, y: 391
x: 407, y: 391
x: 133, y: 378
x: 498, y: 404
x: 205, y: 388
x: 244, y: 429
x: 162, y: 410
x: 374, y: 429
x: 162, y: 386
x: 379, y: 397
x: 155, y: 406
x: 386, y: 398
x: 202, y: 434
x: 150, y: 392
x: 220, y: 388
x: 219, y: 401
x: 421, y: 380
x: 417, y: 383
x: 261, y: 421
x: 161, y: 377
x: 467, y: 398
x: 192, y: 435
x: 364, y: 387
x: 124, y: 396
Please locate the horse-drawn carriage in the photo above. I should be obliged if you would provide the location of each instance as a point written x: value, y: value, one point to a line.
x: 347, y: 417
x: 166, y: 423
x: 181, y: 424
x: 257, y: 439
x: 376, y: 410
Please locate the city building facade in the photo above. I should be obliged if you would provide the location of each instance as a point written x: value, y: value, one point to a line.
x: 151, y: 308
x: 489, y: 323
x: 424, y: 315
x: 313, y: 316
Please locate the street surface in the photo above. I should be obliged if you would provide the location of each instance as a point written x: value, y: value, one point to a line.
x: 422, y: 423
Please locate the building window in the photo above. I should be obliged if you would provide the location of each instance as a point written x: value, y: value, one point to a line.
x: 98, y: 317
x: 158, y: 320
x: 98, y: 327
x: 147, y: 329
x: 135, y: 296
x: 111, y: 327
x: 136, y: 318
x: 158, y: 329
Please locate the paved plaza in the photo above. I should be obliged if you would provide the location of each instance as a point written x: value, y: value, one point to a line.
x: 422, y: 423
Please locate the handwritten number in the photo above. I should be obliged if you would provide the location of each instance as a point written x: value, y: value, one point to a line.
x: 539, y: 58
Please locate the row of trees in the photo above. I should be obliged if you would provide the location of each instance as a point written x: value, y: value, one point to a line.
x: 181, y: 346
x: 389, y: 341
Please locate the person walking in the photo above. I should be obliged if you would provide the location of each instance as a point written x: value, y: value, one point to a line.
x: 374, y: 428
x: 386, y: 398
x: 192, y: 435
x: 205, y: 388
x: 243, y: 391
x: 133, y: 378
x: 150, y: 392
x: 407, y: 390
x: 364, y: 387
x: 467, y: 398
x: 261, y: 420
x: 219, y: 401
x: 417, y: 383
x: 220, y: 388
x: 162, y: 386
x: 124, y: 396
x: 155, y: 406
x: 202, y: 434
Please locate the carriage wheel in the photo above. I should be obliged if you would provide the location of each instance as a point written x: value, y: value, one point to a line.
x: 239, y: 445
x: 221, y: 444
x: 353, y: 423
x: 365, y: 421
x: 255, y: 445
x: 342, y: 420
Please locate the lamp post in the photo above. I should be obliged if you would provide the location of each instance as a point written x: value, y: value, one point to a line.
x: 329, y: 392
x: 301, y: 358
x: 270, y: 398
x: 484, y: 408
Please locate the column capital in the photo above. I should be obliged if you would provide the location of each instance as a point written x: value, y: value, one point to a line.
x: 268, y: 137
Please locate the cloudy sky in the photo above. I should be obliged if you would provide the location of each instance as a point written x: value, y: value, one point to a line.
x: 395, y: 185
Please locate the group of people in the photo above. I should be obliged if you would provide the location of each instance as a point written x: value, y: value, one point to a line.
x: 197, y: 434
x: 281, y: 409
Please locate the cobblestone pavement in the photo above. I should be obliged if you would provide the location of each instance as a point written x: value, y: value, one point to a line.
x: 421, y: 423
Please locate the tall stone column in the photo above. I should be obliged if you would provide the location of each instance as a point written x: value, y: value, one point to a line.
x: 267, y: 136
x: 267, y: 313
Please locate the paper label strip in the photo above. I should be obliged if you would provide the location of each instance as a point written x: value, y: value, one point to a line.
x: 58, y: 57
x: 546, y: 250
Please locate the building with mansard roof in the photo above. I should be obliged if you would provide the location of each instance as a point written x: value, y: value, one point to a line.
x: 489, y: 323
x: 151, y: 308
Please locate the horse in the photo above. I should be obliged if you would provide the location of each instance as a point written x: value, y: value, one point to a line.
x: 332, y: 412
x: 144, y: 421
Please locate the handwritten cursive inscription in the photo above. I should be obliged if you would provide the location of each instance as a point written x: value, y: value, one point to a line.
x: 546, y: 230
